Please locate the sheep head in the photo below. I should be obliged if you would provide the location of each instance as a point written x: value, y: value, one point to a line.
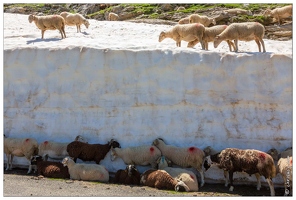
x: 31, y: 18
x: 86, y: 23
x: 35, y: 159
x: 162, y: 36
x: 273, y: 153
x: 113, y: 154
x: 66, y: 161
x: 114, y: 144
x: 131, y: 169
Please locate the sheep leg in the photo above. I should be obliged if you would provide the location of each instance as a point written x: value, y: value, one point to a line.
x: 231, y: 181
x: 8, y: 161
x: 270, y: 183
x: 11, y: 159
x: 258, y: 44
x: 230, y: 44
x: 226, y: 178
x: 42, y: 33
x: 262, y: 43
x: 236, y: 45
x: 202, y: 177
x: 258, y: 181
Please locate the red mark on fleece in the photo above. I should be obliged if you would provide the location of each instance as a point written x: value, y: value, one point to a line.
x: 197, y: 24
x: 262, y: 156
x: 191, y: 149
x: 27, y: 140
x: 151, y: 150
x: 46, y: 142
x: 191, y: 177
x: 291, y: 160
x: 225, y: 26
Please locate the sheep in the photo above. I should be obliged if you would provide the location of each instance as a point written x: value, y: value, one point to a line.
x: 160, y: 179
x: 188, y: 177
x: 184, y: 157
x: 206, y: 21
x: 250, y: 161
x: 140, y: 155
x: 49, y: 168
x: 186, y: 32
x: 20, y: 147
x: 75, y: 19
x: 56, y: 150
x: 129, y: 176
x: 285, y: 168
x: 209, y: 151
x: 279, y: 13
x: 49, y: 22
x: 276, y: 155
x: 113, y: 16
x: 90, y: 152
x: 209, y: 35
x: 180, y: 8
x: 86, y: 172
x: 245, y: 31
x: 184, y: 20
x: 237, y: 11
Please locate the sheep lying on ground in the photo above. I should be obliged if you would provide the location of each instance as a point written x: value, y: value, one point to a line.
x: 160, y: 179
x: 209, y: 35
x: 237, y: 11
x: 184, y: 20
x: 129, y: 176
x: 86, y: 172
x: 245, y: 31
x: 184, y: 157
x: 279, y: 13
x: 49, y: 22
x: 56, y: 150
x: 50, y: 169
x: 206, y: 21
x: 188, y: 177
x: 186, y: 32
x: 75, y: 19
x: 90, y: 152
x: 113, y: 16
x: 140, y: 155
x: 285, y: 168
x: 20, y: 147
x: 249, y: 160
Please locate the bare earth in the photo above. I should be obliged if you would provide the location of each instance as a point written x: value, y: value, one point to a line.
x: 31, y: 185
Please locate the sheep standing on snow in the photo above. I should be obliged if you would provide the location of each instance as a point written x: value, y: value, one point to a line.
x: 249, y: 160
x: 56, y: 150
x: 160, y: 179
x: 49, y: 22
x: 206, y: 21
x: 50, y: 169
x: 184, y: 157
x: 141, y: 155
x: 245, y: 31
x: 86, y: 172
x: 113, y: 16
x: 90, y: 152
x: 129, y: 176
x: 188, y: 177
x: 209, y: 35
x: 186, y: 32
x: 279, y: 13
x: 75, y: 19
x: 20, y: 147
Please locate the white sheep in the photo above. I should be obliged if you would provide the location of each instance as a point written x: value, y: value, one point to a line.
x: 49, y: 22
x: 75, y: 19
x: 188, y: 177
x: 184, y: 157
x: 185, y: 32
x: 180, y: 8
x: 206, y: 21
x: 285, y: 168
x: 140, y: 155
x: 237, y: 11
x: 245, y: 31
x: 209, y: 35
x: 113, y: 16
x: 20, y: 147
x: 279, y: 13
x: 86, y: 172
x: 184, y: 20
x: 56, y: 150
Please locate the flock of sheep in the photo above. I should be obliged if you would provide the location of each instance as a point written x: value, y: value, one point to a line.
x: 192, y: 29
x: 159, y: 155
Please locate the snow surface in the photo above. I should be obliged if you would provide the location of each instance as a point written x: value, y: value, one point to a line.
x: 115, y: 80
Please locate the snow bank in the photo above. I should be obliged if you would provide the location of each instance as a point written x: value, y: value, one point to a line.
x: 56, y: 89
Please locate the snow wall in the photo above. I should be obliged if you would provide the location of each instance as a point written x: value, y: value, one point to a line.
x: 188, y: 98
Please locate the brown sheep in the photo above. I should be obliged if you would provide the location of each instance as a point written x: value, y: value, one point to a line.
x: 129, y: 176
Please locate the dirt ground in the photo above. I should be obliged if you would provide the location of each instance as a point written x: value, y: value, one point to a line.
x: 31, y: 185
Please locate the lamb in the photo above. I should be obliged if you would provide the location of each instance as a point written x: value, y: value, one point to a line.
x: 285, y: 168
x: 49, y: 22
x: 49, y: 168
x: 237, y: 11
x: 140, y: 155
x: 113, y: 17
x: 206, y: 21
x: 90, y: 152
x: 184, y: 20
x: 186, y: 32
x: 188, y: 177
x: 56, y: 150
x: 184, y: 157
x: 75, y: 19
x: 86, y: 172
x: 209, y: 35
x: 250, y: 161
x: 245, y: 31
x: 279, y: 13
x: 129, y: 176
x: 20, y: 147
x: 160, y: 179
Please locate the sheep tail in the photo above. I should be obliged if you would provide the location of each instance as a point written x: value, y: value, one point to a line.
x: 181, y: 184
